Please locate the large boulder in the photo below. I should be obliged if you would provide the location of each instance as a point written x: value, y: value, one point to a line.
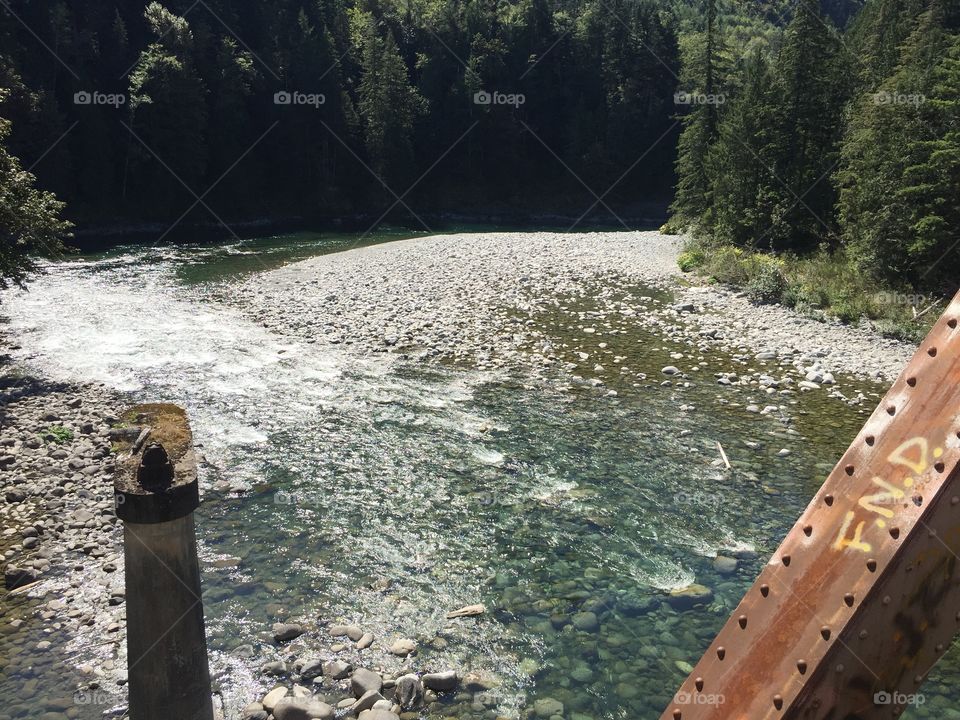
x: 442, y: 681
x: 363, y: 681
x: 378, y: 715
x: 283, y: 632
x: 302, y: 709
x: 409, y: 691
x: 15, y: 577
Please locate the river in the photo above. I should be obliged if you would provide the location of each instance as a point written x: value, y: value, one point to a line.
x: 372, y: 490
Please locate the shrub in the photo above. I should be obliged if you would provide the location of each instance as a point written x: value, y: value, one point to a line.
x: 726, y: 264
x: 767, y: 283
x: 691, y: 260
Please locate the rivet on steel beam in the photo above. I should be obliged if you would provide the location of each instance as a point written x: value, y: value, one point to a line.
x: 743, y: 622
x: 848, y: 599
x: 850, y: 469
x: 939, y: 467
x: 840, y: 668
x: 786, y: 560
x: 955, y: 500
x: 952, y: 323
x: 918, y: 679
x: 871, y: 440
x: 912, y: 382
x: 808, y: 530
x: 699, y: 684
x: 825, y: 632
x: 886, y: 601
x: 778, y: 702
x: 917, y: 500
x: 872, y: 565
x: 894, y: 533
x: 863, y: 634
x: 721, y: 652
x: 891, y: 410
x: 828, y: 499
x: 802, y: 666
x: 932, y: 352
x: 677, y: 715
x: 765, y: 590
x: 939, y: 647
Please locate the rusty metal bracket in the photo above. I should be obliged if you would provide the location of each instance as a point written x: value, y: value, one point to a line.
x: 863, y: 596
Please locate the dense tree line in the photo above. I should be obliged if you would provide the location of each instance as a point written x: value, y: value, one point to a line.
x: 327, y: 107
x: 834, y: 138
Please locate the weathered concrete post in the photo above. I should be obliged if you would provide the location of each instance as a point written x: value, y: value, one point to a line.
x: 156, y: 493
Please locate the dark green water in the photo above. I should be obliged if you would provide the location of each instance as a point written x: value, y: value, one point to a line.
x: 548, y: 499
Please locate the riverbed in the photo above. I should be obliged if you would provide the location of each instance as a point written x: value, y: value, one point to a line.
x: 527, y: 421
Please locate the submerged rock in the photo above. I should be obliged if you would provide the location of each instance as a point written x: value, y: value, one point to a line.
x: 441, y: 681
x: 282, y: 632
x: 688, y: 597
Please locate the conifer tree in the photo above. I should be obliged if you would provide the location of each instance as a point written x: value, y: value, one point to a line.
x: 703, y: 70
x: 899, y: 202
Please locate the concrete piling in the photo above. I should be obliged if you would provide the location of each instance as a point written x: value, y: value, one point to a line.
x: 156, y: 494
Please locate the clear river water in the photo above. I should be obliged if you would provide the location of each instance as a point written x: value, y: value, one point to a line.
x: 376, y: 491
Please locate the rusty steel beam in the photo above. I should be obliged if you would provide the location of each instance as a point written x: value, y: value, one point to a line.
x: 863, y: 596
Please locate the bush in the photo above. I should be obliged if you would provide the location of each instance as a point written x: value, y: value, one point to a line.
x: 672, y: 227
x: 691, y: 260
x: 726, y: 264
x: 767, y: 283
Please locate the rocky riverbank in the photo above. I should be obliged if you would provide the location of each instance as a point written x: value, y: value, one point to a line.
x: 479, y: 299
x: 62, y: 544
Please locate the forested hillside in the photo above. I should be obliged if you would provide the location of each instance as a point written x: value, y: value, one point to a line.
x: 843, y: 147
x: 378, y: 96
x: 130, y: 111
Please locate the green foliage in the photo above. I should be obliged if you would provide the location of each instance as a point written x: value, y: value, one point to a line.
x: 705, y: 66
x: 899, y: 204
x: 30, y: 219
x: 846, y: 143
x: 389, y: 107
x: 690, y: 260
x: 767, y: 283
x: 397, y: 80
x: 825, y: 284
x: 57, y: 434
